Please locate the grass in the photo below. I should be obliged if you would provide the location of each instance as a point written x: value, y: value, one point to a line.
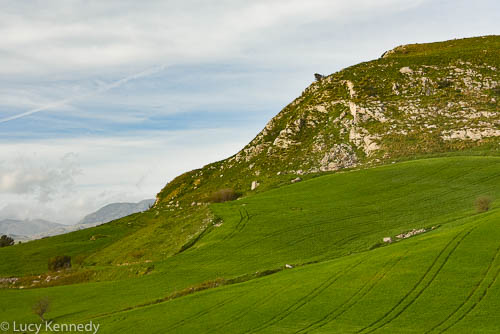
x: 443, y: 280
x: 327, y: 228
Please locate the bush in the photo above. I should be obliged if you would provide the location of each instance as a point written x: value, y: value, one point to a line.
x: 444, y: 84
x: 483, y: 204
x: 6, y: 241
x: 79, y: 260
x: 59, y: 262
x: 224, y: 195
x: 137, y: 254
x: 41, y: 307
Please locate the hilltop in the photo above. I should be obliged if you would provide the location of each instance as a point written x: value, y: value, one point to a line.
x: 416, y: 100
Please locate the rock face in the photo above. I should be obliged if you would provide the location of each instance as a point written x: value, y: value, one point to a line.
x: 338, y: 157
x: 416, y: 100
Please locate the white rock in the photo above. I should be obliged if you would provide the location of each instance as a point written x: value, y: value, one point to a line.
x: 405, y: 70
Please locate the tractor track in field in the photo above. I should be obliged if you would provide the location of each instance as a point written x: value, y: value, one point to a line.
x: 387, y: 317
x: 201, y: 313
x: 485, y: 292
x: 356, y: 297
x: 284, y: 231
x: 243, y: 221
x: 304, y: 300
x: 471, y: 295
x: 339, y: 242
x: 244, y: 311
x: 161, y: 301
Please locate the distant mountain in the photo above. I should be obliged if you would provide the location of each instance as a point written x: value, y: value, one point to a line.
x: 114, y: 211
x: 25, y: 230
x: 20, y: 229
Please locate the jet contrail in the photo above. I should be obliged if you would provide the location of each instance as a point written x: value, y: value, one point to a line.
x: 99, y: 91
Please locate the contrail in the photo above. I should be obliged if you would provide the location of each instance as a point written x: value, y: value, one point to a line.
x: 99, y: 91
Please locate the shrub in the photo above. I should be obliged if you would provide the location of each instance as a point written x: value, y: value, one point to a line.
x: 224, y: 195
x: 79, y: 260
x: 59, y: 262
x: 483, y: 204
x: 137, y: 254
x: 444, y: 84
x: 6, y: 241
x: 41, y: 307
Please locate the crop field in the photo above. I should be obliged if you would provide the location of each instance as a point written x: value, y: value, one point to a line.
x: 303, y: 258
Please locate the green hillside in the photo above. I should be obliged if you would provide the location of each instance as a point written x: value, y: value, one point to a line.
x: 446, y: 281
x: 400, y: 149
x: 321, y: 227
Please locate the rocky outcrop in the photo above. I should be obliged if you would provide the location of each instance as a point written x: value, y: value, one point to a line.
x: 338, y: 157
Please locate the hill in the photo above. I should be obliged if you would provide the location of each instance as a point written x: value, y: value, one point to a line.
x: 392, y: 227
x: 417, y: 100
x: 115, y: 211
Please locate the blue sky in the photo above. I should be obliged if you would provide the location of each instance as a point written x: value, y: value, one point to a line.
x: 133, y: 93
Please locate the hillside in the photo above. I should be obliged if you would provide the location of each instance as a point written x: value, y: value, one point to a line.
x: 404, y: 149
x: 321, y: 227
x: 417, y: 100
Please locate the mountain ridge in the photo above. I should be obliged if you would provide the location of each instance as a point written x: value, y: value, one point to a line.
x: 29, y: 229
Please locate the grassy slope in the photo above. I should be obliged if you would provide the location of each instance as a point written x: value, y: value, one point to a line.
x: 116, y: 242
x: 321, y: 219
x: 443, y: 280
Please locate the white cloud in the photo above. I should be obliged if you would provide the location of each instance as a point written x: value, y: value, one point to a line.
x: 108, y: 169
x: 72, y: 36
x: 28, y: 175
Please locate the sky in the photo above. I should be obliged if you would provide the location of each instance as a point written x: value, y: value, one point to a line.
x: 107, y: 101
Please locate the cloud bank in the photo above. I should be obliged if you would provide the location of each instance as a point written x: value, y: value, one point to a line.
x: 30, y: 176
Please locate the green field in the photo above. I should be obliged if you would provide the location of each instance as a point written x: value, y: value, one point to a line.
x: 328, y: 228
